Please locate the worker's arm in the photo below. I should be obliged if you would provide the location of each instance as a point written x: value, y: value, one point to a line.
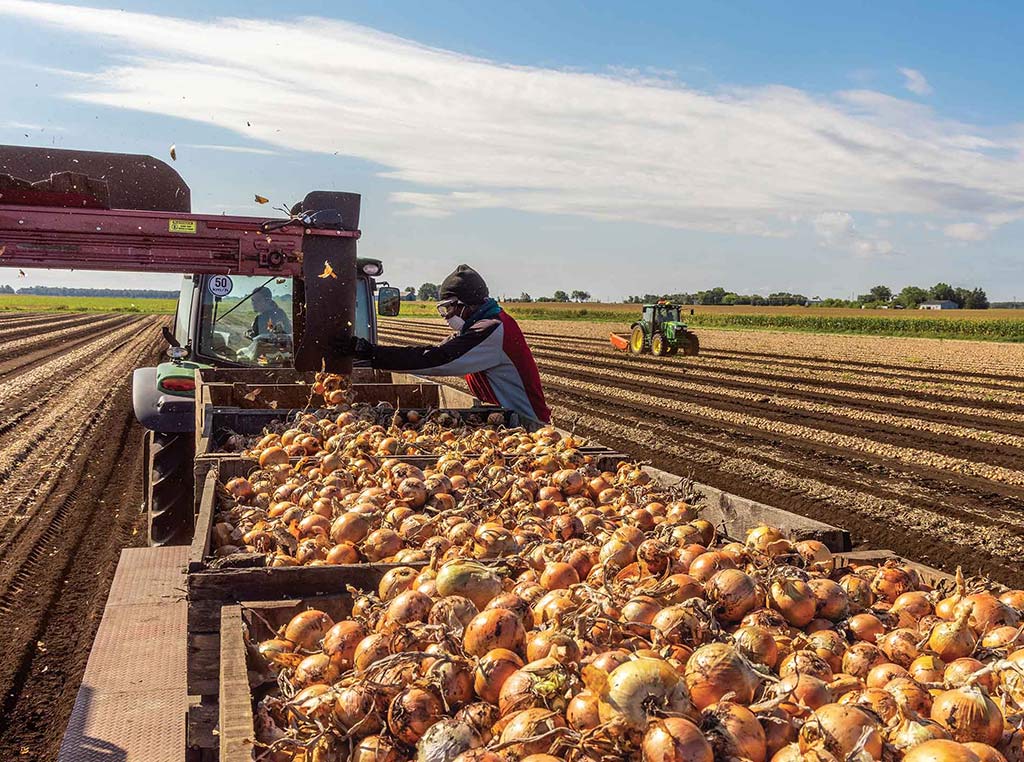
x: 476, y: 350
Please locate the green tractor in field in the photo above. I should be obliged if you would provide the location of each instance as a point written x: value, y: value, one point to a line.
x: 658, y: 331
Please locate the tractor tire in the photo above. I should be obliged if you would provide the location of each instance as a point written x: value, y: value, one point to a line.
x: 170, y: 487
x: 659, y: 345
x: 638, y: 341
x: 691, y: 346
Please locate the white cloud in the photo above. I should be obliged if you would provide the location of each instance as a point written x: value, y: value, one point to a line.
x: 837, y: 230
x: 967, y: 231
x: 455, y: 133
x: 915, y: 82
x: 31, y: 127
x: 228, y: 149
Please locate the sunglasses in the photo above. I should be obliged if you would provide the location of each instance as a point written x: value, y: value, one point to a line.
x: 448, y: 307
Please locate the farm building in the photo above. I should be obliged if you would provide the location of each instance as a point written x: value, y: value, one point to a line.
x: 939, y: 304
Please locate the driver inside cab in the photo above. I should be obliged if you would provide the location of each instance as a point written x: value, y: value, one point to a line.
x: 270, y: 318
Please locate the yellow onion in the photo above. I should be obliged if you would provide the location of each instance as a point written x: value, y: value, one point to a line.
x: 940, y: 750
x: 306, y: 629
x: 641, y: 689
x: 675, y: 739
x: 909, y: 694
x: 910, y: 729
x: 953, y: 640
x: 969, y: 715
x: 841, y: 729
x: 794, y: 599
x: 520, y: 734
x: 716, y: 669
x: 757, y: 645
x: 469, y: 579
x: 985, y: 752
x: 734, y: 732
x: 732, y: 593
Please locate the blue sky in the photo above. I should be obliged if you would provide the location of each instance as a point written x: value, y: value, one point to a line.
x: 617, y: 148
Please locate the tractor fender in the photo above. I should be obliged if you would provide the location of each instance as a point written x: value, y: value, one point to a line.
x: 159, y: 411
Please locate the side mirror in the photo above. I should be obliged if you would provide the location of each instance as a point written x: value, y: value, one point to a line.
x: 389, y: 301
x: 169, y: 337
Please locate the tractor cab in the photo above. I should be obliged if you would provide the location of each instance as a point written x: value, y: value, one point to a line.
x: 247, y: 320
x: 238, y: 321
x: 660, y: 331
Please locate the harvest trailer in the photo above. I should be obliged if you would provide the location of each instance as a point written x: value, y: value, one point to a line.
x: 171, y: 674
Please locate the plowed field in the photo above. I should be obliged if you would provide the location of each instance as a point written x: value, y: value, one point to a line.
x: 911, y: 444
x: 70, y: 466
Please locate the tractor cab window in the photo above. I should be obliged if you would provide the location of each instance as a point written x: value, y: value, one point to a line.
x: 649, y: 315
x: 670, y: 314
x: 183, y: 314
x: 247, y: 320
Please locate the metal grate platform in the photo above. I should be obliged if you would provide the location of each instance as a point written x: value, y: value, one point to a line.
x: 132, y: 703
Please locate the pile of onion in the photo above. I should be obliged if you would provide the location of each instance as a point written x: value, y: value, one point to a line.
x: 541, y: 609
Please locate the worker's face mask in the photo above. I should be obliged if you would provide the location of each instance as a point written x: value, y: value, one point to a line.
x: 455, y: 322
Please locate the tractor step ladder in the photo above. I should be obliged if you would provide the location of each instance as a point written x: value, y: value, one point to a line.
x: 132, y: 703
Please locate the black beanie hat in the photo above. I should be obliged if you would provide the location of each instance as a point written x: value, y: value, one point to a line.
x: 466, y: 285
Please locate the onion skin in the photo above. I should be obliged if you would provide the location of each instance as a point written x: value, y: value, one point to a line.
x: 470, y: 580
x: 985, y: 752
x: 412, y: 712
x: 757, y: 645
x: 795, y: 600
x: 493, y: 669
x: 494, y: 628
x: 640, y: 687
x: 940, y: 750
x: 675, y: 739
x: 969, y: 715
x: 839, y: 729
x: 734, y: 732
x: 308, y: 628
x: 732, y: 593
x: 446, y: 739
x: 528, y: 724
x: 716, y: 669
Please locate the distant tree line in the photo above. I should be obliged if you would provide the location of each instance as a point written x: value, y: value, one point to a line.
x: 719, y: 295
x: 909, y: 297
x: 430, y: 292
x: 124, y: 293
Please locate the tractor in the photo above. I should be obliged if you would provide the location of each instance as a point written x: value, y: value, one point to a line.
x: 259, y: 292
x: 658, y: 331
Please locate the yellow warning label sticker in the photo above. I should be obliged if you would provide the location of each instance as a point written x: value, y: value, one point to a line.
x: 181, y: 226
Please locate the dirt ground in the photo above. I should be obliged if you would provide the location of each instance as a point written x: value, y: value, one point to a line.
x: 911, y: 444
x: 70, y: 465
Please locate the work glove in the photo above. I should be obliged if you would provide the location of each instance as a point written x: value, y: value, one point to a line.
x: 356, y: 346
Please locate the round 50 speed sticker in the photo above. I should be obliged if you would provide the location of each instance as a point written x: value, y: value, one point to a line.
x: 220, y: 285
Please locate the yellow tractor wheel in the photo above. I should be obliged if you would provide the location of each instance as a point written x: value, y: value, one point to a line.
x: 658, y: 345
x: 637, y: 341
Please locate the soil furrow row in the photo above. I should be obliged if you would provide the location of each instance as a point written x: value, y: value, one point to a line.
x: 982, y: 503
x: 892, y: 428
x: 45, y: 338
x: 885, y: 523
x: 997, y: 418
x: 829, y: 385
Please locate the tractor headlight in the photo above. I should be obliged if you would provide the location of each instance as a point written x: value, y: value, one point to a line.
x: 372, y: 269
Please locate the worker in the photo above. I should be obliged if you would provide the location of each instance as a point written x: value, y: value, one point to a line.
x: 270, y: 318
x: 487, y: 347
